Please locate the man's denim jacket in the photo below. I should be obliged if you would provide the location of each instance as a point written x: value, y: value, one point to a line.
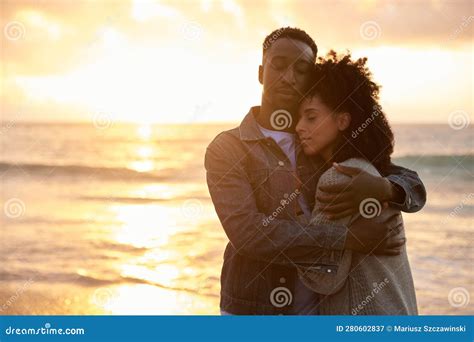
x: 253, y: 187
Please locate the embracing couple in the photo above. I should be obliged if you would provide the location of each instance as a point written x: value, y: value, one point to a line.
x: 307, y: 194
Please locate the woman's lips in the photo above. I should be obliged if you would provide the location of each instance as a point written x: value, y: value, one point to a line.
x: 305, y: 141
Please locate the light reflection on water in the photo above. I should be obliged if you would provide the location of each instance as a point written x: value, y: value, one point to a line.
x: 170, y: 279
x: 155, y: 246
x: 150, y: 300
x: 143, y: 226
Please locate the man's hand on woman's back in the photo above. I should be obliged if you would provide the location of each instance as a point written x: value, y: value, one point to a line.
x: 340, y: 200
x: 380, y: 235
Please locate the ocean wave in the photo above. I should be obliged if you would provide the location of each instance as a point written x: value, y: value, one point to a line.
x: 110, y: 173
x: 435, y: 160
x: 134, y: 280
x: 52, y: 277
x: 126, y: 174
x: 119, y: 247
x: 141, y: 200
x: 92, y: 280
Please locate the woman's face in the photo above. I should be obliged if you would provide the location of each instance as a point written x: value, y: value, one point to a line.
x: 319, y: 128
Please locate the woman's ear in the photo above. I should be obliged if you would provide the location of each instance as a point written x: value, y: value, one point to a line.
x: 260, y: 74
x: 343, y: 121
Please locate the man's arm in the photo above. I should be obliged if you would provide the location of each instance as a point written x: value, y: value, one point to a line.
x: 409, y: 193
x: 401, y: 188
x: 278, y: 241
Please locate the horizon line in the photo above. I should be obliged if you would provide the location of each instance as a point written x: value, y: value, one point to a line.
x: 125, y: 122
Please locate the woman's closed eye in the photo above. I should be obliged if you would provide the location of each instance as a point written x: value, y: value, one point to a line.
x: 310, y: 116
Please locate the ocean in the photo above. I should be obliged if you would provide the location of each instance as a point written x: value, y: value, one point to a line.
x: 117, y: 219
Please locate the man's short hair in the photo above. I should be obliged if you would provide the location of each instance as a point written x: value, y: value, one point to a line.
x: 290, y: 32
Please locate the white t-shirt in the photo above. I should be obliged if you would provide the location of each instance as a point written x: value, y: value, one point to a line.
x: 305, y: 300
x: 286, y: 141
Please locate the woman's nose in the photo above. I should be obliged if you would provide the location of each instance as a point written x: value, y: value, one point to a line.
x: 299, y: 127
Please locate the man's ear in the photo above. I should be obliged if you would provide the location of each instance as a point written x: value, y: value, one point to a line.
x: 343, y: 121
x: 260, y: 74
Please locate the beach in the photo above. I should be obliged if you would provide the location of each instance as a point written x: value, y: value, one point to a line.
x: 118, y: 220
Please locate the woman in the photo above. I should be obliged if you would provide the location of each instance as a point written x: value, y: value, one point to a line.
x: 341, y: 121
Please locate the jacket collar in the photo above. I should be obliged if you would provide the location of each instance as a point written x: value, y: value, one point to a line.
x: 249, y: 131
x: 248, y: 128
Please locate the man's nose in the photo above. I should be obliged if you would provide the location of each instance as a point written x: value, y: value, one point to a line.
x: 289, y: 76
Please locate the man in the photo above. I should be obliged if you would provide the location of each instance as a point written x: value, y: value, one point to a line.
x: 260, y: 182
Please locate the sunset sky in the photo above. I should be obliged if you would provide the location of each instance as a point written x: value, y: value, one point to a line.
x: 197, y: 61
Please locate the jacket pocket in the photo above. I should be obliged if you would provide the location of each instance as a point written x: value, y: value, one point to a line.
x: 258, y: 177
x: 259, y: 180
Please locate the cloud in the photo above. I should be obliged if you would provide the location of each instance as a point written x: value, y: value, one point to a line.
x: 61, y: 38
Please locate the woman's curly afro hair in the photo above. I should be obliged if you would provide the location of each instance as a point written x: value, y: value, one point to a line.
x: 345, y: 85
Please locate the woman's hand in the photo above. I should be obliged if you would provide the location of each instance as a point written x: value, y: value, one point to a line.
x: 344, y: 199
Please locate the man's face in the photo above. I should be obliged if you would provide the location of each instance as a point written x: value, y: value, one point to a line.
x: 285, y: 73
